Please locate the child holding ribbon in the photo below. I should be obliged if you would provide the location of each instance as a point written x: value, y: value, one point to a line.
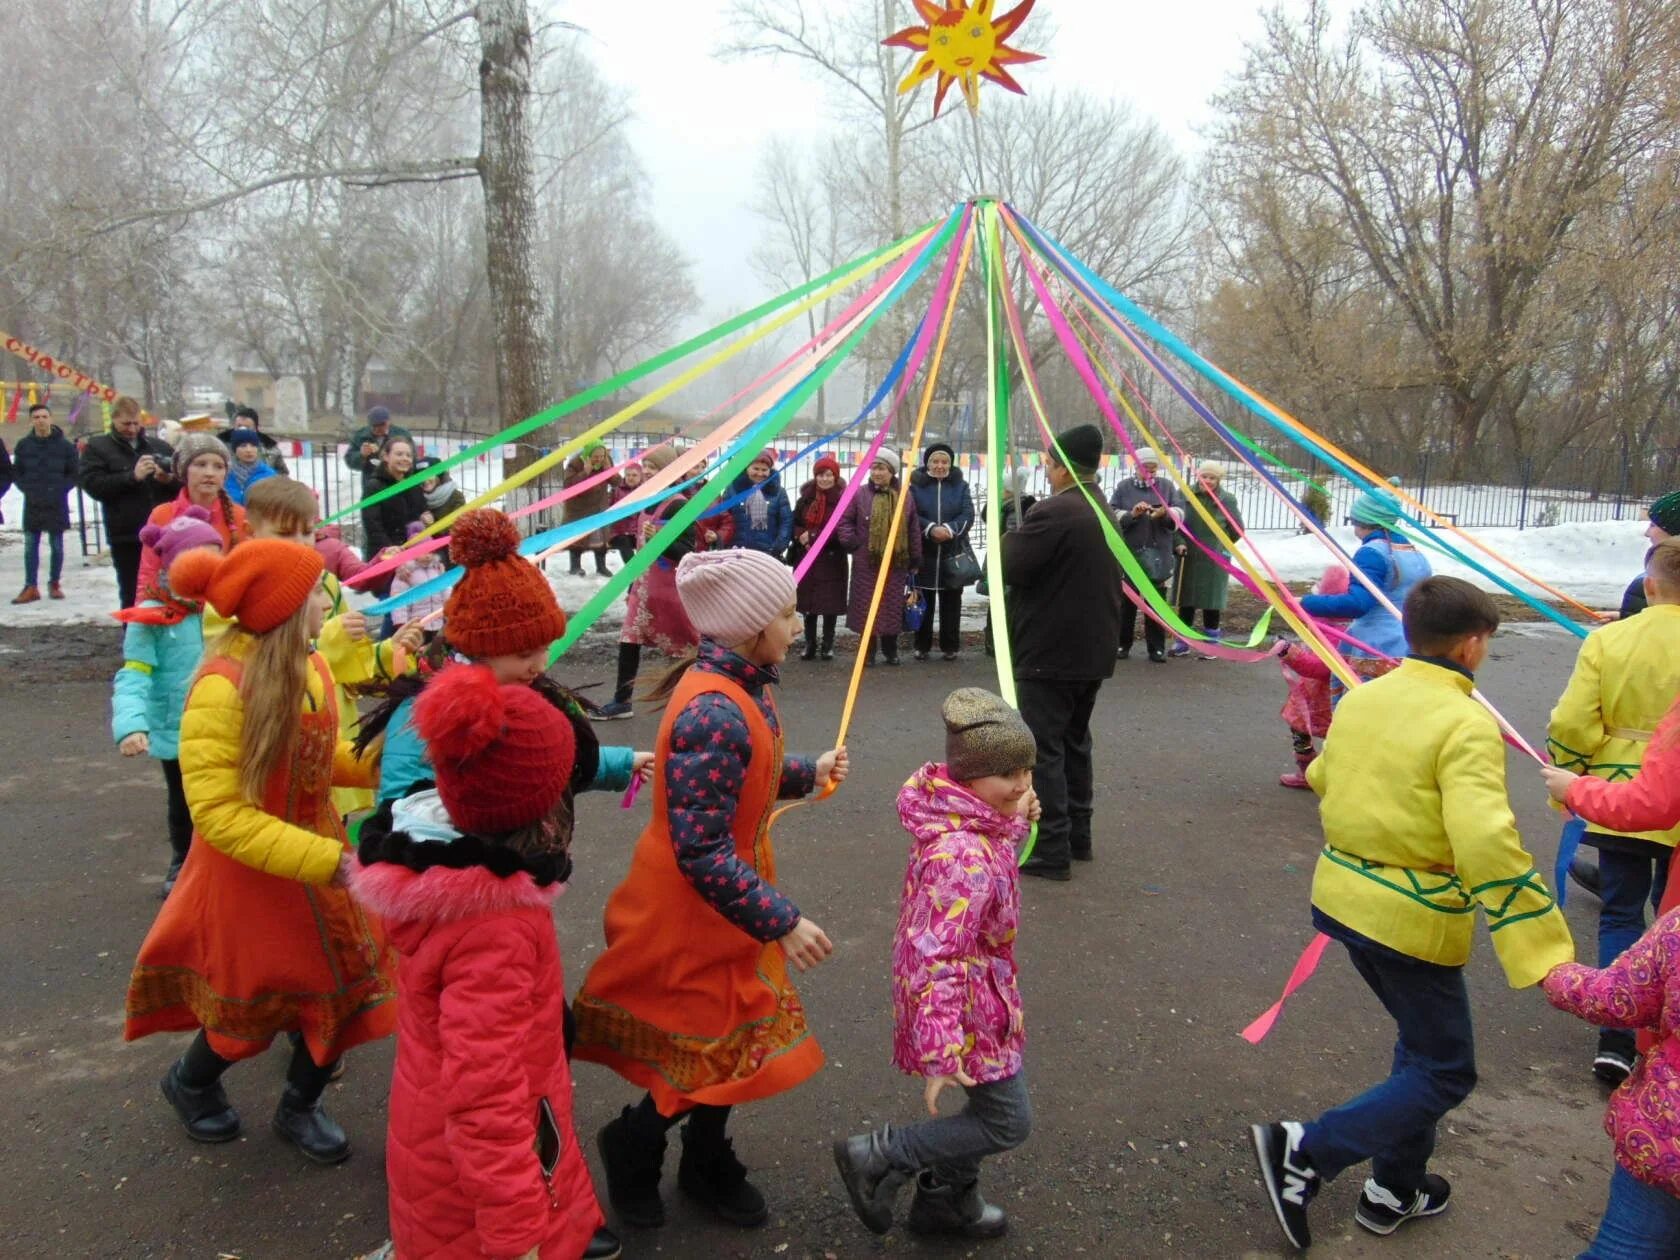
x: 692, y: 1000
x: 1418, y: 831
x: 956, y: 1006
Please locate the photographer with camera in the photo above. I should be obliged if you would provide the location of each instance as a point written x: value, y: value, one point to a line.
x: 129, y: 473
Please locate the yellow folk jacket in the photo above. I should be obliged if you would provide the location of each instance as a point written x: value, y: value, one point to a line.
x: 1419, y: 831
x: 211, y: 726
x: 1626, y: 677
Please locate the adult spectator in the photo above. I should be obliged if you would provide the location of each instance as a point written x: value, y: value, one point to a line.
x: 763, y: 520
x: 822, y: 591
x: 201, y: 469
x: 1016, y: 504
x: 367, y: 442
x: 5, y: 476
x: 248, y: 466
x: 866, y: 529
x: 246, y: 419
x: 1150, y: 512
x: 1205, y: 584
x: 443, y: 496
x: 44, y: 471
x: 590, y: 462
x: 946, y: 511
x: 386, y: 523
x: 1665, y: 523
x: 1064, y: 622
x: 129, y: 472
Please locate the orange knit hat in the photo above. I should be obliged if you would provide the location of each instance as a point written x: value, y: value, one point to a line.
x: 259, y: 583
x: 503, y: 606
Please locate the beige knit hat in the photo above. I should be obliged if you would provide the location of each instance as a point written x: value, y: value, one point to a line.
x: 732, y: 595
x: 984, y: 736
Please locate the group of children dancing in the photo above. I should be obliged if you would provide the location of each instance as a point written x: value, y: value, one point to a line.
x: 242, y: 674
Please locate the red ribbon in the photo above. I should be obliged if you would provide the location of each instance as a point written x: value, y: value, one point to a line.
x: 1305, y: 965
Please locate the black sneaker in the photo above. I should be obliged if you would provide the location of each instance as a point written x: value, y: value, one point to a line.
x: 1382, y: 1212
x: 1124, y: 654
x: 1044, y: 870
x: 613, y: 711
x: 1612, y: 1066
x: 1157, y: 656
x: 1289, y: 1179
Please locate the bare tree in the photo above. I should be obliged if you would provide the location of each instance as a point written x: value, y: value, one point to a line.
x: 1462, y: 145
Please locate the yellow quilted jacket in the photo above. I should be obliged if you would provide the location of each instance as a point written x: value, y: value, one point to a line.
x: 1418, y: 829
x: 352, y: 662
x: 1626, y: 677
x: 211, y: 726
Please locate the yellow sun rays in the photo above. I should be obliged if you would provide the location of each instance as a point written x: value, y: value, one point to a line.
x: 960, y: 43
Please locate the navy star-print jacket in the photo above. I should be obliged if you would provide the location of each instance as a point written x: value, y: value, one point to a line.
x: 705, y: 770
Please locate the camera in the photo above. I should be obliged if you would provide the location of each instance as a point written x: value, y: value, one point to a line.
x: 165, y: 463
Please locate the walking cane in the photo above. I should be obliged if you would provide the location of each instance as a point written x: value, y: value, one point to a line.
x: 1177, y: 584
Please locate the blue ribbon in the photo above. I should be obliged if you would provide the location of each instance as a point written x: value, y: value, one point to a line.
x: 1089, y: 283
x: 1568, y: 843
x: 585, y: 526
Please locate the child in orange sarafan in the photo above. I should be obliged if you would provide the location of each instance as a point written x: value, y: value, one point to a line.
x: 692, y: 999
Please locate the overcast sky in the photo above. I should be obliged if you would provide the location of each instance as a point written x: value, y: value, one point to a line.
x: 701, y: 123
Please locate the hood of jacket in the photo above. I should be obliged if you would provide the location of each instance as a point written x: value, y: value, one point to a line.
x: 932, y: 805
x: 922, y: 477
x: 413, y: 866
x: 769, y: 487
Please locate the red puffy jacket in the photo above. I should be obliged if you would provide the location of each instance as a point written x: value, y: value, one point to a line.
x: 479, y: 1052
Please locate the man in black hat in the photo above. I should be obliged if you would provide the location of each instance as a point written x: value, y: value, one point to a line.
x: 1064, y: 623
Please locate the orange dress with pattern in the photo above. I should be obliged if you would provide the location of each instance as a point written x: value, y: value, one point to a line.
x: 683, y: 1003
x: 246, y: 955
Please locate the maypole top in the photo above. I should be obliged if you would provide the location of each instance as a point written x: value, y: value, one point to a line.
x: 960, y: 42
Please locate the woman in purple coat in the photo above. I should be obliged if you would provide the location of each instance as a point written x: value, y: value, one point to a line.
x: 822, y: 592
x: 864, y: 530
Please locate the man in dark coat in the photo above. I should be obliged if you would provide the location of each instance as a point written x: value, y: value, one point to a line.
x: 44, y: 470
x: 366, y: 442
x: 130, y: 474
x: 1150, y: 512
x: 1064, y: 622
x: 247, y: 418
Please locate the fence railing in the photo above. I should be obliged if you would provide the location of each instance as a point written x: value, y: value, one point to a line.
x: 1587, y: 485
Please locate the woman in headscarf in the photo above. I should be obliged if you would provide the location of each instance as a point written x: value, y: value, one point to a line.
x: 866, y: 530
x: 822, y: 592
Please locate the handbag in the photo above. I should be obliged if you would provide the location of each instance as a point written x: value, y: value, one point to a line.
x: 1155, y: 563
x: 958, y: 565
x: 914, y: 609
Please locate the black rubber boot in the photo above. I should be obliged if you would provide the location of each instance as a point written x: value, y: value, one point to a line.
x: 603, y: 1245
x: 711, y: 1175
x: 946, y: 1209
x: 871, y: 1182
x: 632, y: 1165
x: 810, y: 652
x: 205, y: 1112
x: 304, y: 1122
x: 827, y: 652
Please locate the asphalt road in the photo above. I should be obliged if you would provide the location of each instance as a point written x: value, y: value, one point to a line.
x: 1136, y: 978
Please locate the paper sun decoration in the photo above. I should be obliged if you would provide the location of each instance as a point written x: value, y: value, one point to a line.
x: 961, y: 43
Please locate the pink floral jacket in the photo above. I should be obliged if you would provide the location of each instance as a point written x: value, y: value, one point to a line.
x: 955, y: 1000
x: 1641, y: 989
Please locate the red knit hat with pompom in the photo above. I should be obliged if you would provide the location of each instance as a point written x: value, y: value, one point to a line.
x: 502, y: 755
x: 503, y: 606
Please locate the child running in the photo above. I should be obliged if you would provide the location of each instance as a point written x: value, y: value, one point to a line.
x: 956, y: 1007
x: 161, y: 650
x: 260, y: 936
x: 1418, y: 831
x: 481, y: 1156
x: 691, y: 1000
x: 1626, y: 677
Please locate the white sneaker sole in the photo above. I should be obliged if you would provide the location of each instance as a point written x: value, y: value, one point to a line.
x: 1385, y: 1230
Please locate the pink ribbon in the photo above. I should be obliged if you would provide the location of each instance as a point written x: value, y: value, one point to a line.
x: 631, y: 792
x: 1305, y: 965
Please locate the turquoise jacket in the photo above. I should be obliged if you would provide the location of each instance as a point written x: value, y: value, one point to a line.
x: 405, y: 763
x: 150, y: 690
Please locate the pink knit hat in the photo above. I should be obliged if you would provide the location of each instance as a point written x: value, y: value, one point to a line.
x: 190, y: 528
x: 732, y: 595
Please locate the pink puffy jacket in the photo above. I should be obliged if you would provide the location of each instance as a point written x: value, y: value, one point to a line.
x: 479, y: 1054
x: 1641, y: 989
x: 955, y: 999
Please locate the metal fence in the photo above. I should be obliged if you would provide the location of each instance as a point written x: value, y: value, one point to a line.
x: 1591, y: 484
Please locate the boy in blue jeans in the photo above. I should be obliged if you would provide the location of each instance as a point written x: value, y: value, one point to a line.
x: 1418, y: 831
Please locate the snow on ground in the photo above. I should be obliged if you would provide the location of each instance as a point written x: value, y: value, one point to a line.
x: 1590, y: 562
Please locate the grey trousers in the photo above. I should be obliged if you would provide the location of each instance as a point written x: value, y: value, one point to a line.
x: 998, y: 1118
